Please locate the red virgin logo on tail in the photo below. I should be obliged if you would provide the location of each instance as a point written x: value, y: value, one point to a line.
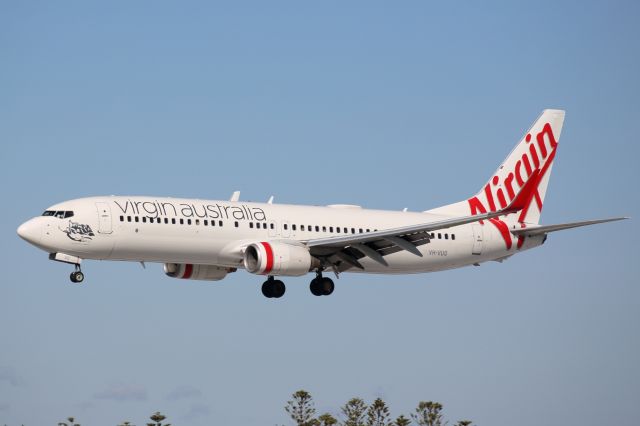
x: 538, y: 156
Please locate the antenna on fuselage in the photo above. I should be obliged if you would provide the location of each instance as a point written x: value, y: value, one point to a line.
x: 270, y: 200
x: 235, y: 196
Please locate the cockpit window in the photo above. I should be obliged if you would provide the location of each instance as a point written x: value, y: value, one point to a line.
x: 61, y: 214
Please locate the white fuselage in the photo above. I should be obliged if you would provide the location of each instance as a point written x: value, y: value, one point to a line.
x: 172, y: 230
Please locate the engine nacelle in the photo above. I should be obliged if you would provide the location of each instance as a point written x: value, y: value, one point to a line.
x: 278, y: 259
x: 188, y: 271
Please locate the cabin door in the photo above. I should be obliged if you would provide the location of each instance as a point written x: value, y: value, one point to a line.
x: 477, y: 238
x: 104, y: 217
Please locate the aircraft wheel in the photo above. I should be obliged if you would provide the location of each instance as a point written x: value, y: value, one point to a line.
x: 316, y: 286
x: 267, y: 289
x: 76, y: 277
x: 278, y: 289
x: 327, y: 286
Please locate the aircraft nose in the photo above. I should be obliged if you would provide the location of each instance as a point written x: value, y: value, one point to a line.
x: 30, y: 232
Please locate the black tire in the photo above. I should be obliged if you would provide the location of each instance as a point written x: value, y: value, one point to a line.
x: 72, y: 277
x: 327, y: 286
x: 316, y: 286
x: 78, y: 277
x: 278, y: 289
x: 267, y: 289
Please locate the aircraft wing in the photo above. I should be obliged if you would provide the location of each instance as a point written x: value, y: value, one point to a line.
x: 342, y: 252
x: 346, y: 250
x: 545, y: 229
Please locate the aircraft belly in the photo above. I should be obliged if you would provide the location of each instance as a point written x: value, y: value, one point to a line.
x: 167, y: 249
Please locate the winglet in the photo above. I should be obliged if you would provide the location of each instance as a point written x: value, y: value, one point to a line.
x: 235, y: 196
x: 525, y: 195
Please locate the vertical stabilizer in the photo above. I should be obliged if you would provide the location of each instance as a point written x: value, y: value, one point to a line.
x: 536, y: 151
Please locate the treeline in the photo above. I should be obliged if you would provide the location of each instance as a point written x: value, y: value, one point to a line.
x: 357, y: 413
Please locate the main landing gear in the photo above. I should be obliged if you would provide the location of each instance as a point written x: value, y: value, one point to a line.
x: 321, y: 286
x: 77, y: 276
x: 273, y: 288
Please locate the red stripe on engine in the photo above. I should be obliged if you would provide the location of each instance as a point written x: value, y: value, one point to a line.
x: 188, y: 270
x: 269, y: 252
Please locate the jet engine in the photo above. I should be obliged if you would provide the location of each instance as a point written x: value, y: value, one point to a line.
x: 278, y: 259
x: 188, y: 271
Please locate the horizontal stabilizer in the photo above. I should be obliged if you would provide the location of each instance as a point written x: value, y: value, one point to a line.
x: 539, y: 230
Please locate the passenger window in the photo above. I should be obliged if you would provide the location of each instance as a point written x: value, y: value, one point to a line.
x: 439, y: 236
x: 236, y: 223
x: 368, y: 230
x: 166, y: 221
x: 251, y: 225
x: 331, y: 229
x: 188, y: 221
x: 206, y: 222
x: 264, y: 226
x: 128, y: 218
x: 220, y: 223
x: 302, y: 227
x: 173, y: 221
x: 346, y: 230
x: 317, y: 228
x: 121, y: 218
x: 271, y: 225
x: 353, y: 230
x: 361, y: 230
x: 324, y: 229
x: 293, y: 227
x: 144, y: 219
x: 181, y: 221
x: 285, y: 226
x: 453, y: 236
x: 446, y: 236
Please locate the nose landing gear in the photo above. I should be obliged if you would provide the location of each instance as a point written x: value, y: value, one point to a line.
x: 77, y: 276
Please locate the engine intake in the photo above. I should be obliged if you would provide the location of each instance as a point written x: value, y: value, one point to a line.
x: 188, y: 271
x: 278, y: 259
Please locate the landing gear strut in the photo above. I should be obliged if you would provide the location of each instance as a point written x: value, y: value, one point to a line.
x: 321, y: 286
x: 273, y: 288
x: 77, y: 276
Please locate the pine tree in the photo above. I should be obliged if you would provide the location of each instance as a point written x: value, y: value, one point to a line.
x: 157, y: 418
x: 327, y: 420
x: 428, y: 413
x: 301, y: 408
x: 402, y: 421
x: 378, y: 414
x: 354, y: 412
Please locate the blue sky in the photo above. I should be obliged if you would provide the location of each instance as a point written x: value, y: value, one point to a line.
x: 386, y: 105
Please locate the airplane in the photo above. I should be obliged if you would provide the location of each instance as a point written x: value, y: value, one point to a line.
x: 206, y: 240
